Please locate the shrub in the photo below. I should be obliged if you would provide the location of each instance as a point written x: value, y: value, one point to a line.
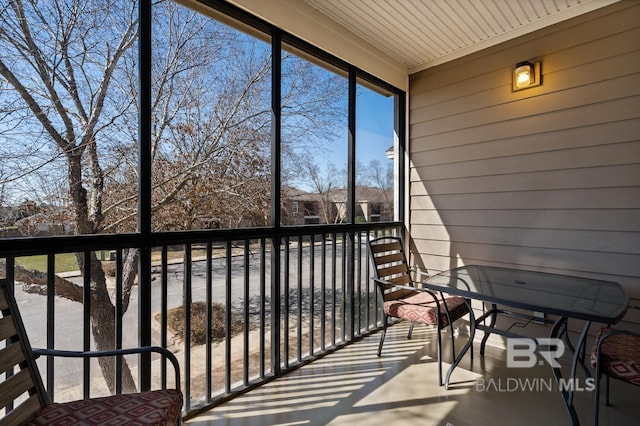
x: 175, y: 322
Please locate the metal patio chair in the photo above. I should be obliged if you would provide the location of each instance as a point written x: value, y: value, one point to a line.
x: 402, y: 299
x: 24, y: 400
x: 616, y: 353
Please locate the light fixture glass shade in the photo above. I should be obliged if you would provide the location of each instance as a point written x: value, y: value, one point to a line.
x: 524, y: 75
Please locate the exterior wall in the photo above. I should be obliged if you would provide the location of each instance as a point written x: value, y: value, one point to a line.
x: 547, y: 178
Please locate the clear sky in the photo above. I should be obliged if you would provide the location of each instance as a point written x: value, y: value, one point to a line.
x: 374, y: 125
x: 374, y: 135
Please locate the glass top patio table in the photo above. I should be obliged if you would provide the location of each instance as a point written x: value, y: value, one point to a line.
x: 562, y: 295
x: 566, y: 296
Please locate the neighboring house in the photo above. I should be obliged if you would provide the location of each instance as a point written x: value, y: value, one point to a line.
x: 300, y: 207
x: 303, y: 208
x: 372, y: 204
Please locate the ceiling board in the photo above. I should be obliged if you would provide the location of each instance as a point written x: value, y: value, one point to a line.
x: 425, y: 33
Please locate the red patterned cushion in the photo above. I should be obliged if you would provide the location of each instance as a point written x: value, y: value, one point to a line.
x: 161, y: 408
x: 421, y: 308
x: 619, y: 356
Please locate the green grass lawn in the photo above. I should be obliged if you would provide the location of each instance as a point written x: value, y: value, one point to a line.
x: 65, y: 262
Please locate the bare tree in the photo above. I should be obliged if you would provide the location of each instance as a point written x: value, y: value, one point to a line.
x: 68, y: 96
x: 381, y: 177
x: 325, y: 183
x: 61, y: 65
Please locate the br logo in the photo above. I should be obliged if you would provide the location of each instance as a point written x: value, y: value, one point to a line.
x: 521, y: 353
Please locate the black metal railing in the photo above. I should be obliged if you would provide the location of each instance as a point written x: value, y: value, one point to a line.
x: 237, y: 307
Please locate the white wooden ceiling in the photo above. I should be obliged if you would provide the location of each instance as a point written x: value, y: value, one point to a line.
x: 424, y: 33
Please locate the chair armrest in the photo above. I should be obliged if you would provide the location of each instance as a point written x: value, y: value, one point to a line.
x: 384, y: 284
x: 115, y: 352
x: 614, y: 332
x: 420, y: 272
x: 389, y: 284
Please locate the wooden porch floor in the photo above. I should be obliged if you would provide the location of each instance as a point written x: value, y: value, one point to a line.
x: 353, y: 386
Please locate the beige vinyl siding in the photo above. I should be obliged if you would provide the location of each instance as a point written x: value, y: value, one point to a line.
x: 547, y: 178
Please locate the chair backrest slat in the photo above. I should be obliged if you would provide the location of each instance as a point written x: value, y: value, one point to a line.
x: 7, y: 328
x: 378, y: 247
x: 14, y: 386
x: 392, y: 270
x: 389, y: 261
x: 398, y: 294
x: 10, y: 357
x: 22, y: 413
x: 389, y: 258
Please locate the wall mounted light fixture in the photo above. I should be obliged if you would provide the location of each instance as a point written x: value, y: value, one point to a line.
x: 526, y: 74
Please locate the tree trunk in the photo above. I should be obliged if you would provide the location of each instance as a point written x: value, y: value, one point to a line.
x: 102, y: 311
x: 103, y: 329
x: 103, y: 326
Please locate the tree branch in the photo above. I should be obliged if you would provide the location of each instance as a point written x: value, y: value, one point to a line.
x: 35, y: 282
